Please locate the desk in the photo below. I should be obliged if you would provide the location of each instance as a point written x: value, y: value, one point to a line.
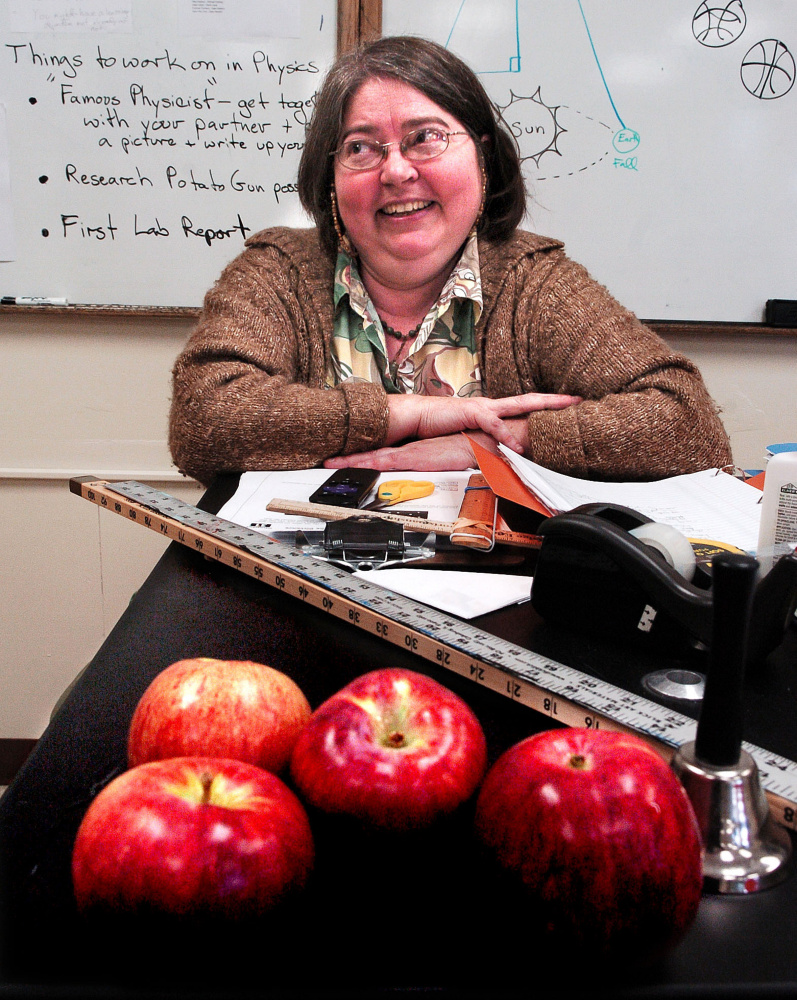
x: 434, y: 921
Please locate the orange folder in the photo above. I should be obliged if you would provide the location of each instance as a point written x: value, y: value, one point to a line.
x: 504, y: 481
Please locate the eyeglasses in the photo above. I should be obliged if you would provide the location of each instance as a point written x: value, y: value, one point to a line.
x: 419, y: 145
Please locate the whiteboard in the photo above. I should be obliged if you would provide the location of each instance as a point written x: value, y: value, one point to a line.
x: 659, y: 137
x: 144, y: 143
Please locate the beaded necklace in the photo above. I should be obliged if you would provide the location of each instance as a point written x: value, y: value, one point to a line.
x: 402, y: 337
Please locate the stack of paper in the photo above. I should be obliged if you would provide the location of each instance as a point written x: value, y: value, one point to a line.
x: 707, y: 505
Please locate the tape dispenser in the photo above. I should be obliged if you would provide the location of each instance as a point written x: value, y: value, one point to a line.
x: 609, y: 570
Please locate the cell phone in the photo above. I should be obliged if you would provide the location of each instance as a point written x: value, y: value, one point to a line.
x: 346, y: 487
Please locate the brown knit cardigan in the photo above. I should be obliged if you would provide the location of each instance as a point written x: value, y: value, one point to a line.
x: 248, y: 387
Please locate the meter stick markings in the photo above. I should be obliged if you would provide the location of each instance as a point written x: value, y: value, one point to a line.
x: 562, y: 693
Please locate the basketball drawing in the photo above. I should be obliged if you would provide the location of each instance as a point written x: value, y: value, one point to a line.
x: 716, y: 25
x: 768, y: 70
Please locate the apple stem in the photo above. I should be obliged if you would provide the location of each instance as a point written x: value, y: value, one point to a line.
x: 395, y: 739
x: 578, y: 761
x: 207, y: 780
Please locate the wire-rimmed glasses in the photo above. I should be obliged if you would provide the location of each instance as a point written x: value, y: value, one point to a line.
x: 419, y: 145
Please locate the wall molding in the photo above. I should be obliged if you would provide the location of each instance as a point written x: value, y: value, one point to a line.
x: 698, y: 328
x: 114, y: 475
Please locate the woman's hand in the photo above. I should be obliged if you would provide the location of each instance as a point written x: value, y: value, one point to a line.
x: 421, y: 417
x: 448, y: 453
x: 488, y: 421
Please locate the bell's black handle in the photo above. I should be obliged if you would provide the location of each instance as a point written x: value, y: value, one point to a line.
x: 720, y: 727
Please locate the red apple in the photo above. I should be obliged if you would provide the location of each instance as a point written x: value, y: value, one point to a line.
x: 602, y: 838
x: 219, y: 708
x: 192, y: 835
x: 394, y: 749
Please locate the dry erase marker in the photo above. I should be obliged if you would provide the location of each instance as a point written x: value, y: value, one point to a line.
x: 32, y: 300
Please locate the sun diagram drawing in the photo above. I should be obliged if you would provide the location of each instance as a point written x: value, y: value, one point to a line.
x: 534, y: 124
x: 551, y: 149
x: 534, y: 118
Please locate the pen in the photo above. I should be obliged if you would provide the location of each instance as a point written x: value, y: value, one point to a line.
x: 31, y: 300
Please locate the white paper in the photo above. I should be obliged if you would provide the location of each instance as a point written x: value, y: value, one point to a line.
x: 67, y: 17
x: 241, y: 18
x: 257, y: 489
x: 464, y: 593
x: 460, y: 593
x: 708, y: 505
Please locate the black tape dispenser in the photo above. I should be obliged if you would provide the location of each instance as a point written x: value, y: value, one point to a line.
x: 609, y: 570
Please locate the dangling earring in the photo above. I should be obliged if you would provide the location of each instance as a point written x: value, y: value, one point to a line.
x: 344, y: 242
x: 475, y: 227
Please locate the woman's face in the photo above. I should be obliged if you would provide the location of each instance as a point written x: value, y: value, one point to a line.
x: 407, y: 219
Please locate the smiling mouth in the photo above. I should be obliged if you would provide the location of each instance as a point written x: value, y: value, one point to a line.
x: 405, y: 208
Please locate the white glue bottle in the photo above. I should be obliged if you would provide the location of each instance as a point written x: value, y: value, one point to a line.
x: 777, y: 534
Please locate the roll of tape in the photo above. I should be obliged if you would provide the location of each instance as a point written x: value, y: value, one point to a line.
x: 675, y: 547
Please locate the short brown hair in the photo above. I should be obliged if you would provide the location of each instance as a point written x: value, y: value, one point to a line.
x: 443, y: 78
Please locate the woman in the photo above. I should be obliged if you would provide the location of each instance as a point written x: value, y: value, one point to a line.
x: 417, y: 309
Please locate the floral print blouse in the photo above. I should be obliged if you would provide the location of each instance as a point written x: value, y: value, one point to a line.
x: 442, y: 360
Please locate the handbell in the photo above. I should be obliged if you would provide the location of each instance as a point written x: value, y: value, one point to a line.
x: 744, y: 849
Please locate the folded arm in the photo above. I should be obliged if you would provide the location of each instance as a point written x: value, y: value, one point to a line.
x: 248, y: 388
x: 646, y: 412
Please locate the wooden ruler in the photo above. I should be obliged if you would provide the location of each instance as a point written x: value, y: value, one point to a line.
x: 562, y: 693
x: 325, y: 512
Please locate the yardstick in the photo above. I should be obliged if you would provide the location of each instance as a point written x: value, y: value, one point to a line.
x: 565, y: 694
